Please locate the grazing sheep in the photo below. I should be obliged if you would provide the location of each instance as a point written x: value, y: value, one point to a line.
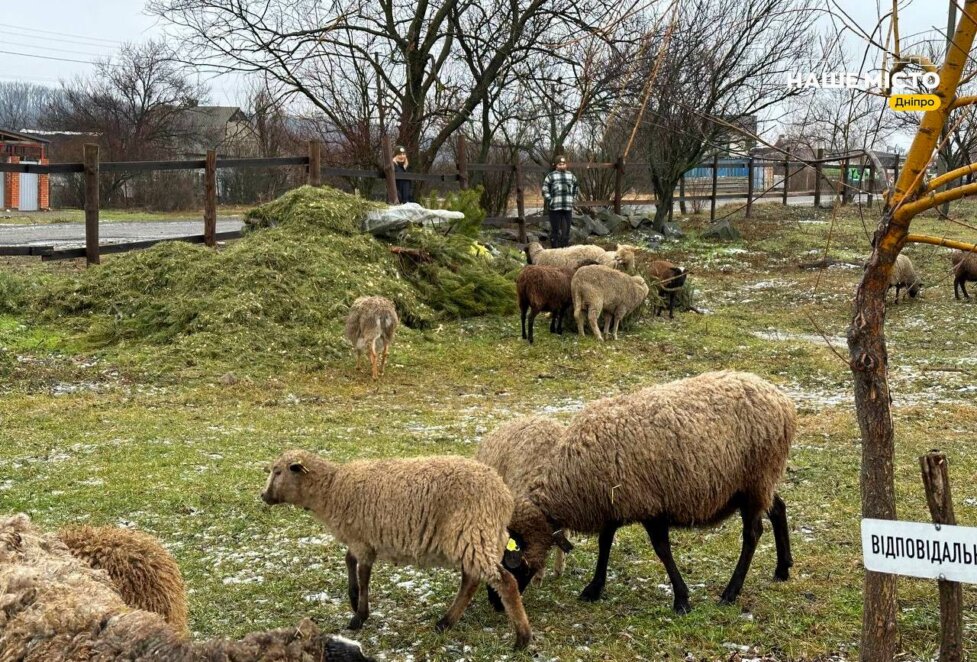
x: 518, y: 451
x: 904, y: 275
x: 598, y: 289
x: 435, y: 511
x: 573, y: 257
x: 667, y: 279
x: 688, y: 453
x: 145, y: 575
x: 541, y: 289
x: 55, y: 607
x: 964, y: 271
x: 372, y: 321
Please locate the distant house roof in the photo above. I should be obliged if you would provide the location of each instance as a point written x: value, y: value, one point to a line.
x: 16, y: 136
x: 208, y: 118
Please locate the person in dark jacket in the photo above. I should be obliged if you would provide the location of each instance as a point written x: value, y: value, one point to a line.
x: 404, y: 193
x: 559, y: 192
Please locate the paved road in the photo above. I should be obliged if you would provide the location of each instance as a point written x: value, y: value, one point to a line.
x: 71, y: 235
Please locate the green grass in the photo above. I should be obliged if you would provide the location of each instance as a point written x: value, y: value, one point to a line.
x: 127, y: 432
x: 109, y: 215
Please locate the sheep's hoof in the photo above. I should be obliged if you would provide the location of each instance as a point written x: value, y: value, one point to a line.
x: 523, y: 639
x: 442, y: 625
x: 682, y: 607
x: 781, y: 574
x: 355, y: 623
x: 591, y: 593
x: 726, y: 600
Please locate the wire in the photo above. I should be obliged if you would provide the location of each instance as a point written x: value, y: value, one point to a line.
x: 45, y: 57
x: 63, y: 34
x: 51, y: 48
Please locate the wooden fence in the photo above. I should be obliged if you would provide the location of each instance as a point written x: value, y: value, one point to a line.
x: 92, y: 168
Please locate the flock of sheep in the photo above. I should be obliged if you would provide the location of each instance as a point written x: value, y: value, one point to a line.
x: 903, y: 274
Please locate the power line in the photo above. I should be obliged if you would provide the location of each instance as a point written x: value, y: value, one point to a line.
x: 51, y: 48
x: 63, y: 34
x: 61, y: 40
x: 45, y: 57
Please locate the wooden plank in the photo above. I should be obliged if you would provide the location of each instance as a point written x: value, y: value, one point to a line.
x: 520, y: 202
x: 210, y: 198
x: 91, y: 204
x: 71, y: 253
x: 351, y: 172
x: 10, y: 251
x: 817, y: 178
x: 315, y: 163
x: 715, y: 182
x: 786, y: 178
x: 388, y: 170
x: 42, y: 169
x: 618, y: 183
x: 936, y: 479
x: 749, y: 187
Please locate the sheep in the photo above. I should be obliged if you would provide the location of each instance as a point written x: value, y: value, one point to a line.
x: 574, y: 256
x: 688, y: 453
x: 540, y: 288
x: 145, y: 575
x: 54, y: 607
x: 372, y: 321
x: 598, y: 289
x: 668, y: 279
x: 434, y: 511
x: 518, y: 450
x: 964, y: 270
x: 904, y: 275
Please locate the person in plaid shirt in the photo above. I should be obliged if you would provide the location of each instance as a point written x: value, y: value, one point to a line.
x: 559, y: 191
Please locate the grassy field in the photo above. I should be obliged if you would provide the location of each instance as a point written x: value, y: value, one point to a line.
x: 129, y: 434
x: 108, y: 215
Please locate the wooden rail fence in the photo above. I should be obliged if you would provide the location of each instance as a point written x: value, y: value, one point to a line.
x: 92, y: 168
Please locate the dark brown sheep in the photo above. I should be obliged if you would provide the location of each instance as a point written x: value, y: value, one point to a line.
x: 542, y: 289
x: 668, y: 279
x: 964, y: 271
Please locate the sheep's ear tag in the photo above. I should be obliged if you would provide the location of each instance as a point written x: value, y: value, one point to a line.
x: 298, y: 467
x: 512, y: 546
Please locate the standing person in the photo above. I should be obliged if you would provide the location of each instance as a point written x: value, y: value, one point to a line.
x: 403, y: 185
x: 559, y: 192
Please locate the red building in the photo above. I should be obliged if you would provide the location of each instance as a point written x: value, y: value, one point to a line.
x: 26, y: 192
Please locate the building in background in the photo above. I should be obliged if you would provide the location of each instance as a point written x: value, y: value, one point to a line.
x: 18, y: 190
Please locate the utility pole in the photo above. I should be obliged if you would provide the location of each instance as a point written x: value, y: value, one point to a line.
x: 951, y: 25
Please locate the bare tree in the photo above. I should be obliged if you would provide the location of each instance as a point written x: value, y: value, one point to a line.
x: 23, y: 104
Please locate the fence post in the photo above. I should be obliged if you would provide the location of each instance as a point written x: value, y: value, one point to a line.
x: 936, y: 479
x: 715, y: 183
x: 786, y: 176
x: 618, y: 183
x: 844, y: 182
x: 210, y: 198
x: 462, y: 163
x: 91, y: 204
x: 871, y: 183
x: 521, y: 204
x: 749, y: 186
x: 388, y: 170
x: 681, y: 193
x: 315, y: 163
x: 817, y: 177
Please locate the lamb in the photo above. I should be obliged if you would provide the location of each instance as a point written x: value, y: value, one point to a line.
x: 518, y: 450
x: 598, y: 289
x: 540, y: 289
x: 370, y: 325
x: 574, y: 256
x: 688, y: 453
x: 57, y: 608
x: 668, y: 279
x: 964, y: 271
x: 435, y: 511
x: 144, y: 574
x: 904, y: 275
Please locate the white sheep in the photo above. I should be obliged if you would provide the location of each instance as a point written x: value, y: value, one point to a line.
x: 598, y: 289
x: 904, y: 275
x: 55, y: 607
x: 434, y: 511
x: 573, y: 257
x: 370, y: 325
x: 688, y: 453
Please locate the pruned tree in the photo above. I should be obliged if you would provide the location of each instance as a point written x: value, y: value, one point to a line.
x: 23, y: 104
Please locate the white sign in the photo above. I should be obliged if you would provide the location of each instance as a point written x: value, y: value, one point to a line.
x: 918, y: 549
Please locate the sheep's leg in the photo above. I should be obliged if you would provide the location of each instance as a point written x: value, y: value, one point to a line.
x: 494, y: 599
x: 752, y: 528
x: 578, y: 316
x: 618, y: 314
x: 469, y: 584
x: 354, y: 586
x: 532, y: 323
x: 781, y: 534
x: 363, y: 570
x: 671, y: 305
x: 359, y: 355
x: 373, y: 359
x: 522, y: 317
x: 508, y: 590
x: 383, y: 357
x: 596, y: 586
x: 594, y: 327
x: 658, y: 533
x: 559, y: 562
x: 898, y: 287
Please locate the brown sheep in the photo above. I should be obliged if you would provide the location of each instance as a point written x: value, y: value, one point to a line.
x: 372, y: 321
x: 54, y: 607
x: 964, y: 271
x: 543, y: 289
x: 667, y: 279
x: 429, y: 511
x: 688, y: 453
x: 143, y: 572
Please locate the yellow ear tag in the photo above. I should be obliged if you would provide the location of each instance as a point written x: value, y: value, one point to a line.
x: 512, y: 545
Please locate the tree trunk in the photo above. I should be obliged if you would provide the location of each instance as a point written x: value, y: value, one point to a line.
x: 664, y: 193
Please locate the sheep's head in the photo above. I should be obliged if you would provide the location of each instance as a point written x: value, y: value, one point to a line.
x: 915, y: 288
x: 624, y: 259
x: 531, y: 535
x: 532, y: 249
x: 287, y: 478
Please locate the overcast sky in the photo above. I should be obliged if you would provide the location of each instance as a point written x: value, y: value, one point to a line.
x: 84, y: 30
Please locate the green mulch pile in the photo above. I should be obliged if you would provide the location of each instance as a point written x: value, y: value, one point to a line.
x: 284, y: 288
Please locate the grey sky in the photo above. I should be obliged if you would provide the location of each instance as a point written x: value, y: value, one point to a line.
x: 90, y: 29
